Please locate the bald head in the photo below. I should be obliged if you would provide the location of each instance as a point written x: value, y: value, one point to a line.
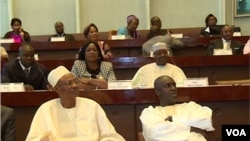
x: 25, y: 48
x: 155, y: 21
x: 159, y: 82
x: 26, y: 53
x: 59, y: 27
x: 58, y: 23
x: 227, y: 32
x: 165, y: 89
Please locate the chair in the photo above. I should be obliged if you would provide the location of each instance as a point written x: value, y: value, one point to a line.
x: 140, y: 136
x: 112, y: 32
x: 233, y: 82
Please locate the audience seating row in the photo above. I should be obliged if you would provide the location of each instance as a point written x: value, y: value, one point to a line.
x: 123, y: 107
x: 187, y: 32
x: 214, y: 67
x: 120, y: 48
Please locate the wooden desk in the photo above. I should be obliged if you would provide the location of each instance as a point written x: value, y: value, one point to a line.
x: 194, y: 46
x: 123, y: 107
x: 187, y: 32
x: 48, y: 50
x: 214, y: 67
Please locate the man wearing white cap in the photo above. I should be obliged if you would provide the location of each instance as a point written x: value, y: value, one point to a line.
x: 70, y: 117
x: 146, y: 75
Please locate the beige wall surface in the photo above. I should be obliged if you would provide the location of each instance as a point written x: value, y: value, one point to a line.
x: 38, y: 17
x: 186, y: 13
x: 111, y: 14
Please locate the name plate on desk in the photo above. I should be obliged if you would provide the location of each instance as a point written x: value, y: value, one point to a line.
x: 57, y: 39
x: 120, y: 84
x: 118, y: 37
x: 236, y: 34
x: 12, y: 87
x: 177, y: 35
x: 9, y: 40
x: 196, y: 82
x: 222, y: 52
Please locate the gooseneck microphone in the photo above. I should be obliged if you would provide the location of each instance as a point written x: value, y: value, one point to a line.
x: 40, y: 70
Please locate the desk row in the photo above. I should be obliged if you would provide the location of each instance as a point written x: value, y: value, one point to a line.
x: 214, y: 67
x: 120, y: 48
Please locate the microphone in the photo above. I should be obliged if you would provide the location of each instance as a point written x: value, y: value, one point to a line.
x: 170, y: 54
x: 40, y: 70
x: 22, y: 34
x: 172, y: 59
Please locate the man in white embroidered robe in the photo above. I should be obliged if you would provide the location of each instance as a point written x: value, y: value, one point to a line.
x: 174, y: 122
x: 146, y: 75
x: 69, y: 117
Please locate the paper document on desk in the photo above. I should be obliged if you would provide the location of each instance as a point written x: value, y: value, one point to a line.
x: 237, y: 34
x: 196, y: 82
x: 120, y: 84
x: 12, y: 87
x: 57, y: 39
x: 222, y: 52
x: 9, y: 40
x: 118, y: 37
x: 177, y: 35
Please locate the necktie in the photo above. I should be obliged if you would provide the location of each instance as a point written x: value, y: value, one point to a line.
x: 26, y: 72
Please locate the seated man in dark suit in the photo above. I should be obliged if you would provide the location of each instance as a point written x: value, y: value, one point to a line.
x: 8, y: 124
x: 226, y: 45
x: 171, y: 42
x: 26, y: 70
x: 156, y: 21
x: 59, y: 27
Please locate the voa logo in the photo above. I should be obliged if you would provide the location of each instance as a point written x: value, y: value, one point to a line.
x: 236, y: 132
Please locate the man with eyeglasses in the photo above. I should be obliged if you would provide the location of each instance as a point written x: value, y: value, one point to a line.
x: 70, y: 117
x: 146, y: 75
x: 25, y: 69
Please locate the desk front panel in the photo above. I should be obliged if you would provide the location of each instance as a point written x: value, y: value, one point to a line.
x: 225, y: 73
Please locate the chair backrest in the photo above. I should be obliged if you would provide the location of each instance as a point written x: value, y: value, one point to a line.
x: 140, y: 136
x: 233, y: 82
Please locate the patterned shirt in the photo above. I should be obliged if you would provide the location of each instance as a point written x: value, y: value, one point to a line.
x: 79, y: 69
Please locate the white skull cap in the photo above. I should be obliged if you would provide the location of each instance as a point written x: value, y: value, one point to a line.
x: 159, y: 46
x: 56, y: 74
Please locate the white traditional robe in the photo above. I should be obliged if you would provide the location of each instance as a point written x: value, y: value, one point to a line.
x: 85, y: 122
x: 184, y: 116
x: 146, y: 75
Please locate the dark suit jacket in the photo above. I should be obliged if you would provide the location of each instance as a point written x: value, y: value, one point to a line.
x: 68, y: 37
x: 205, y: 33
x: 13, y: 72
x: 8, y: 124
x: 237, y: 47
